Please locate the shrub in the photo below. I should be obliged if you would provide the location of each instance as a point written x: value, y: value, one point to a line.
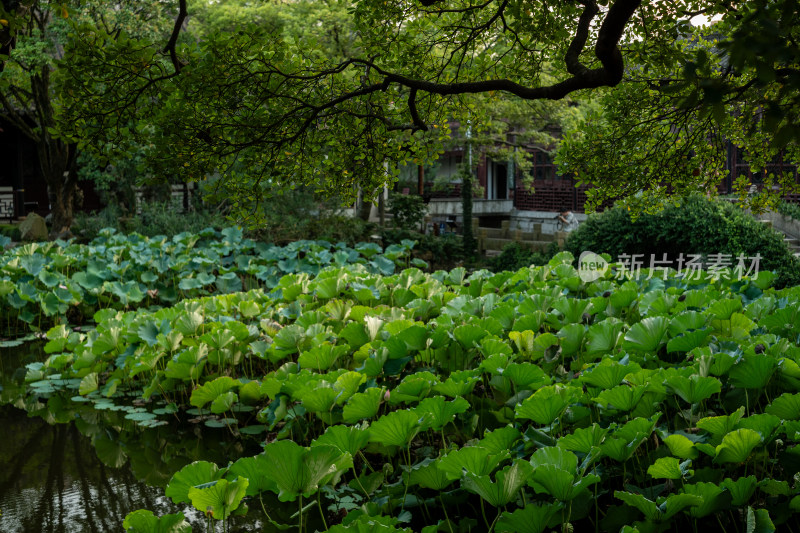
x: 789, y: 209
x: 695, y: 225
x: 407, y: 210
x: 156, y: 218
x: 514, y: 256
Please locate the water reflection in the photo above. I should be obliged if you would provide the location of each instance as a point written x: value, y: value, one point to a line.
x: 67, y: 467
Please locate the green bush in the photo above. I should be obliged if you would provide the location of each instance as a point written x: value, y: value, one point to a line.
x: 11, y: 231
x: 696, y: 225
x: 514, y: 256
x: 788, y: 209
x: 440, y: 252
x: 156, y: 218
x: 407, y: 210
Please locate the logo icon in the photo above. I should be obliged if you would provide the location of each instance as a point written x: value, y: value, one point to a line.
x: 591, y: 266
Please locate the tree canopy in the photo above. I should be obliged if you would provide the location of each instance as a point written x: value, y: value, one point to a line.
x: 325, y: 94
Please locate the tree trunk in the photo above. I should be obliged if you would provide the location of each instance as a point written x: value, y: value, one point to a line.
x: 57, y: 162
x: 466, y: 210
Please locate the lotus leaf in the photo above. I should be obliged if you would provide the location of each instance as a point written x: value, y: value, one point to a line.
x: 437, y: 412
x: 396, y: 428
x: 694, y: 389
x: 546, y: 404
x: 297, y: 470
x: 191, y: 475
x: 504, y: 490
x: 144, y: 521
x: 211, y: 390
x: 347, y: 439
x: 648, y: 335
x: 584, y: 440
x: 680, y: 446
x: 427, y: 475
x: 737, y: 445
x: 363, y: 405
x: 669, y: 468
x: 474, y: 460
x: 665, y: 509
x: 221, y: 497
x: 741, y: 490
x: 533, y: 518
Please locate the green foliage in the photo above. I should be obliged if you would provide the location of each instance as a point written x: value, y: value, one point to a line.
x: 46, y: 283
x: 694, y: 225
x: 515, y: 256
x: 491, y: 396
x: 407, y: 211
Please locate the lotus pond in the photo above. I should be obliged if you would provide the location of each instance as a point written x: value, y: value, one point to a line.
x: 523, y: 401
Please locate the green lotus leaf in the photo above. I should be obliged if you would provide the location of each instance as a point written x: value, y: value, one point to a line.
x: 221, y: 497
x: 437, y: 412
x: 427, y: 475
x: 583, y: 440
x: 473, y: 460
x: 621, y: 397
x: 224, y: 402
x: 664, y: 510
x: 647, y: 336
x: 713, y: 496
x: 188, y: 364
x: 413, y: 388
x: 297, y: 470
x: 468, y: 335
x: 758, y: 521
x: 228, y: 283
x: 144, y: 521
x: 741, y: 490
x: 189, y: 323
x: 686, y: 342
x: 319, y: 397
x: 621, y: 442
x: 546, y: 404
x: 210, y: 390
x: 603, y: 337
x: 724, y: 309
x: 694, y: 389
x: 720, y: 426
x: 680, y: 446
x: 414, y: 337
x: 571, y: 338
x: 347, y: 439
x: 533, y: 518
x: 88, y: 384
x: 504, y: 489
x: 786, y: 406
x: 499, y: 440
x: 526, y: 376
x: 355, y: 334
x: 686, y: 321
x: 737, y: 445
x: 363, y: 405
x: 608, y: 373
x: 764, y: 423
x: 347, y: 385
x: 669, y: 468
x: 191, y: 475
x: 396, y: 428
x: 322, y: 356
x: 459, y: 383
x: 555, y: 456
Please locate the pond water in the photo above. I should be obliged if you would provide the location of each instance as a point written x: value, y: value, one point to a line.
x: 69, y: 468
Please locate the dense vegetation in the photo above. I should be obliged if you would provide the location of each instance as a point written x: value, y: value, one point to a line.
x: 695, y: 225
x: 43, y: 283
x: 517, y: 401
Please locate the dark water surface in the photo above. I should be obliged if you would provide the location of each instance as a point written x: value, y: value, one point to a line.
x: 70, y: 468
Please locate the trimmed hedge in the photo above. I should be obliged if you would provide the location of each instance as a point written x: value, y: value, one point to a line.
x: 696, y: 225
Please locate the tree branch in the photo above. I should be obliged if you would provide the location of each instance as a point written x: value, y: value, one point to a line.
x: 173, y: 39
